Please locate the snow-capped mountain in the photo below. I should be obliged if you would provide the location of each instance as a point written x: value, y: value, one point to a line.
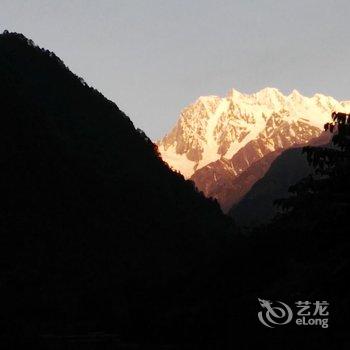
x: 217, y: 139
x: 214, y: 128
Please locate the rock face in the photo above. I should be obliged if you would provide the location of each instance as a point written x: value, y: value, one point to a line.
x: 217, y: 139
x: 229, y: 188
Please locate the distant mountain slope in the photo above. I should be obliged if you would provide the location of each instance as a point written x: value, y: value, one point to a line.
x: 257, y: 205
x: 96, y: 231
x: 218, y: 181
x: 228, y: 188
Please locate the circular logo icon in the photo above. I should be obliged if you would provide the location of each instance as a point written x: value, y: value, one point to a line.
x: 274, y: 313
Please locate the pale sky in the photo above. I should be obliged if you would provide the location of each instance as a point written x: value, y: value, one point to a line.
x: 154, y: 57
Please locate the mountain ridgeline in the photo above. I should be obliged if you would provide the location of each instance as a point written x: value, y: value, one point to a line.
x: 216, y: 140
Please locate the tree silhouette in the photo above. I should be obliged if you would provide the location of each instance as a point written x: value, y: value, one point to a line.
x: 327, y: 191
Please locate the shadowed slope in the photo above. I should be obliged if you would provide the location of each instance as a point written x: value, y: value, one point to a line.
x: 257, y: 205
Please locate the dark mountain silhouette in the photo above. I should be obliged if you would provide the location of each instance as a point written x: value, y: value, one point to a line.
x: 96, y: 231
